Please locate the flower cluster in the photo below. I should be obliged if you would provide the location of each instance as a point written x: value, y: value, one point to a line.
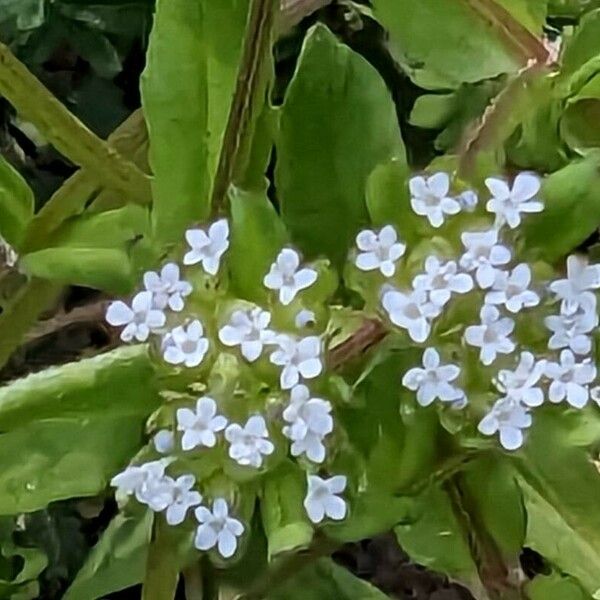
x: 167, y: 311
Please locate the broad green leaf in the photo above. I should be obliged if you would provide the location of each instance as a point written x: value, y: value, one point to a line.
x: 435, y: 539
x: 118, y: 383
x: 584, y: 43
x: 338, y: 122
x: 257, y: 235
x: 430, y: 40
x: 117, y: 561
x: 110, y: 229
x: 54, y: 459
x: 283, y: 515
x: 561, y: 484
x: 101, y: 268
x: 580, y: 124
x: 324, y: 580
x: 16, y: 204
x: 186, y: 91
x: 572, y: 207
x: 554, y: 587
x: 94, y: 47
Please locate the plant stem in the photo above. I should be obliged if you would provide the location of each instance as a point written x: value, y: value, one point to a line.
x: 255, y: 51
x: 67, y: 133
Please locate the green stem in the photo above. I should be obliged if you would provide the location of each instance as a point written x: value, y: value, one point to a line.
x: 66, y: 133
x: 162, y: 572
x: 255, y: 51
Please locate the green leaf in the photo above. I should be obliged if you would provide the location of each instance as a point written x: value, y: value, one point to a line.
x: 88, y: 388
x: 583, y: 45
x: 55, y: 459
x: 580, y: 121
x: 430, y: 40
x: 560, y: 486
x: 117, y: 561
x: 283, y: 515
x: 572, y: 207
x: 324, y: 580
x: 101, y: 268
x: 257, y: 235
x: 554, y: 587
x: 186, y: 92
x: 96, y: 48
x: 338, y: 122
x: 16, y: 204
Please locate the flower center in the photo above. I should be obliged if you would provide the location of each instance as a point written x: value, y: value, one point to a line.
x: 413, y: 311
x: 189, y: 347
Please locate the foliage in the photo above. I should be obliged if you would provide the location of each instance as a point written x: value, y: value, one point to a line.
x: 326, y: 172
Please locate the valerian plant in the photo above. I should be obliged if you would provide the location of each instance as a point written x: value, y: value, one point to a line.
x: 322, y: 339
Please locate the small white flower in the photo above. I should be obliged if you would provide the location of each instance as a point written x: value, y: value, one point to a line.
x: 570, y: 379
x: 299, y: 358
x: 249, y: 330
x: 509, y: 418
x: 570, y: 330
x: 140, y: 479
x: 379, y: 250
x: 433, y: 380
x: 508, y: 204
x: 185, y: 345
x: 441, y: 279
x: 483, y: 254
x: 199, y: 426
x: 468, y: 200
x: 285, y: 276
x: 429, y: 198
x: 309, y: 422
x: 304, y: 318
x: 411, y: 311
x: 139, y: 320
x: 581, y: 278
x: 217, y: 528
x: 164, y: 441
x: 183, y: 497
x: 167, y: 288
x: 520, y: 384
x: 249, y: 443
x: 322, y: 498
x: 512, y: 291
x: 207, y: 248
x: 492, y: 335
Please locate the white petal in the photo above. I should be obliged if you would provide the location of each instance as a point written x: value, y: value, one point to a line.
x: 335, y: 508
x: 206, y: 537
x: 367, y: 261
x: 511, y: 438
x: 230, y: 336
x: 119, y: 313
x: 498, y: 188
x: 227, y: 543
x: 525, y: 186
x: 305, y: 278
x: 439, y: 184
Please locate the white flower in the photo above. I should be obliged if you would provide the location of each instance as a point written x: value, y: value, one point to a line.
x: 167, y: 288
x: 304, y: 318
x: 139, y: 320
x: 512, y: 291
x: 217, y: 528
x: 183, y: 497
x: 570, y: 380
x: 520, y: 384
x: 429, y: 198
x: 185, y: 345
x: 492, y: 335
x: 207, y: 248
x: 379, y: 250
x: 249, y: 330
x: 299, y: 358
x: 508, y: 204
x: 441, y: 280
x: 483, y: 254
x: 433, y: 381
x: 509, y: 418
x: 468, y: 200
x: 164, y: 441
x: 249, y: 443
x: 285, y: 276
x: 309, y: 422
x: 570, y: 329
x: 199, y: 426
x: 140, y: 479
x: 411, y: 311
x: 581, y: 277
x: 322, y: 498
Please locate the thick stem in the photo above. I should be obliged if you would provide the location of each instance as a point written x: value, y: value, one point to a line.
x: 66, y: 133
